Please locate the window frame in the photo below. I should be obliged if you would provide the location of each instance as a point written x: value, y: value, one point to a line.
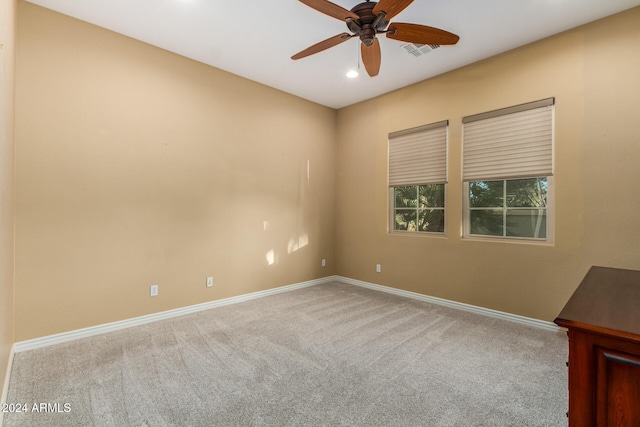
x: 511, y: 176
x: 550, y: 212
x: 391, y: 202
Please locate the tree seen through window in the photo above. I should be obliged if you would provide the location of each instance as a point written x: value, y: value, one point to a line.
x: 419, y: 208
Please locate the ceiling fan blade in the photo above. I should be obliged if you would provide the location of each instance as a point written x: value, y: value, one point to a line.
x: 391, y: 7
x: 323, y: 45
x: 330, y: 9
x: 371, y: 57
x: 420, y: 34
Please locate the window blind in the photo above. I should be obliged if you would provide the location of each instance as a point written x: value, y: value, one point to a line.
x: 514, y: 142
x: 418, y: 155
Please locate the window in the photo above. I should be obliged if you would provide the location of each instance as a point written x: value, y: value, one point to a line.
x: 508, y: 173
x: 419, y: 208
x: 509, y: 208
x: 417, y: 178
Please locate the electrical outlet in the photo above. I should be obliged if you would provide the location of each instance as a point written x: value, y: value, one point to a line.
x: 209, y: 282
x: 378, y: 268
x: 324, y: 262
x: 153, y: 291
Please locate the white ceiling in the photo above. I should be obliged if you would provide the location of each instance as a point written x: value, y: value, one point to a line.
x: 256, y: 38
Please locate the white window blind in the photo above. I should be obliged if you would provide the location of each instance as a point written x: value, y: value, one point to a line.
x: 513, y: 142
x: 418, y: 155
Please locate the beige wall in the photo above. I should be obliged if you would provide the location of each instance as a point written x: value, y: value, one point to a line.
x: 593, y: 74
x: 135, y: 166
x: 7, y: 30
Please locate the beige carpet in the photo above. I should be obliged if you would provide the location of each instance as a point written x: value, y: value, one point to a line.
x: 331, y: 354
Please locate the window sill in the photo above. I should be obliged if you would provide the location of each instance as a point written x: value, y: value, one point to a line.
x: 417, y: 234
x: 509, y: 240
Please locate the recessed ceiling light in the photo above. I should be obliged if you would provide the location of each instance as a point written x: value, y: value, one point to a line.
x: 352, y: 74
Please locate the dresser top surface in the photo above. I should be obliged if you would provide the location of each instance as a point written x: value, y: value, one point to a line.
x: 607, y: 298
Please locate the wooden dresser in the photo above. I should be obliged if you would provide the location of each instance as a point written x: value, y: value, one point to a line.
x: 603, y: 322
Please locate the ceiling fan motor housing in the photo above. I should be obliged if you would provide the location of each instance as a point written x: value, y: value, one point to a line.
x: 364, y: 25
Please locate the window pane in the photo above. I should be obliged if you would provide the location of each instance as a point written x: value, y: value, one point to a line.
x: 486, y: 222
x: 527, y: 193
x: 431, y: 220
x: 406, y: 196
x: 486, y: 194
x: 431, y: 196
x: 405, y: 219
x: 527, y: 223
x: 419, y: 208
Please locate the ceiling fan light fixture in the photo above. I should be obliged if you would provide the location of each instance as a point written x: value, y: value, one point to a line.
x: 352, y: 74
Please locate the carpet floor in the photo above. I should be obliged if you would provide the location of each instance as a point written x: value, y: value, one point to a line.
x: 327, y: 355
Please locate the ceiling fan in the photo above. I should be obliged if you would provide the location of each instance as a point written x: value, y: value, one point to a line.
x: 368, y: 19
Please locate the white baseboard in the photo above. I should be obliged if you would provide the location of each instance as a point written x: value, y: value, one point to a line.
x: 453, y: 304
x: 114, y: 326
x: 137, y: 321
x: 7, y: 377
